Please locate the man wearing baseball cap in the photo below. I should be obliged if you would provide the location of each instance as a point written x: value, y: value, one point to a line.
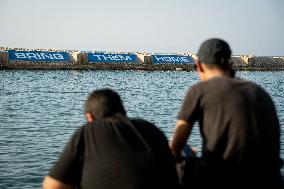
x: 238, y: 124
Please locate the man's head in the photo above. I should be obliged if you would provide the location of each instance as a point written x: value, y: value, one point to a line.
x: 103, y: 103
x: 213, y: 59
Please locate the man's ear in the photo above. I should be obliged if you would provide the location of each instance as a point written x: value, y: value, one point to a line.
x: 89, y: 117
x: 199, y: 66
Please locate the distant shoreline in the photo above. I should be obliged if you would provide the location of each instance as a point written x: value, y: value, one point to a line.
x: 40, y: 59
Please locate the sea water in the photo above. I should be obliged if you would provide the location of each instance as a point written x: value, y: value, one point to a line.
x: 39, y: 111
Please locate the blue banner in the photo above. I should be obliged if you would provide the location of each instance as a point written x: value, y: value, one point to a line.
x: 171, y: 59
x: 39, y: 56
x: 111, y: 58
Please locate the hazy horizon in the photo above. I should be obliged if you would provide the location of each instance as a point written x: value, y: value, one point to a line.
x: 253, y: 27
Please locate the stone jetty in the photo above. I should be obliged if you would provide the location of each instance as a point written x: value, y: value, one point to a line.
x: 16, y: 58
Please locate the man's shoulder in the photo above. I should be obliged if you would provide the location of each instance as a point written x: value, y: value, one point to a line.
x: 249, y: 86
x: 219, y: 86
x: 209, y: 83
x: 223, y: 82
x: 146, y: 126
x: 119, y: 120
x: 228, y: 80
x: 141, y: 121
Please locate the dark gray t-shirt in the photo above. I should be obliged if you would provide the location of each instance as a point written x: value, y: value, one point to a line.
x: 117, y: 152
x: 238, y: 124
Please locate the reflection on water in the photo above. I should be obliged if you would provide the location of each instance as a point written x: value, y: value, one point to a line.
x: 39, y: 110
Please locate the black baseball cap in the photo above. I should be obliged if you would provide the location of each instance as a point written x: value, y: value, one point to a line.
x: 214, y: 51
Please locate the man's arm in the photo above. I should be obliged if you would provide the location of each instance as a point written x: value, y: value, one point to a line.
x: 66, y: 172
x: 180, y: 136
x: 52, y: 183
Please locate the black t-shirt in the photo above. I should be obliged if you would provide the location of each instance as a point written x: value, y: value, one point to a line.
x: 238, y: 125
x: 117, y: 152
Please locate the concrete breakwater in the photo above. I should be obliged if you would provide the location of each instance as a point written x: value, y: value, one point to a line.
x: 87, y: 60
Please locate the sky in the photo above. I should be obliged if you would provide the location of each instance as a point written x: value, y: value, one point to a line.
x: 253, y: 27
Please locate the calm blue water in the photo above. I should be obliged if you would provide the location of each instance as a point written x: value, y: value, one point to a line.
x: 39, y: 110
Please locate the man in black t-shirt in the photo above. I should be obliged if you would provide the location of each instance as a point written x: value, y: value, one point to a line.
x: 113, y: 151
x: 238, y: 124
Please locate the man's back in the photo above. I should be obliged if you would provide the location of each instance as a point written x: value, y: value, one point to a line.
x: 119, y: 153
x: 239, y: 126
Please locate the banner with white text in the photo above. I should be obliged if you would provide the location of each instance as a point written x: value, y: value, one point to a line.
x: 171, y: 59
x: 112, y: 58
x: 39, y: 56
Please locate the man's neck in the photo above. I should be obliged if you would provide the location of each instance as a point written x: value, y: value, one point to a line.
x: 215, y: 73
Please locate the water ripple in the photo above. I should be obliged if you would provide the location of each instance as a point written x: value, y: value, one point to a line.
x: 39, y: 111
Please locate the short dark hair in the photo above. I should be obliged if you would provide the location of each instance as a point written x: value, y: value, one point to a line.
x: 216, y: 53
x: 104, y: 103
